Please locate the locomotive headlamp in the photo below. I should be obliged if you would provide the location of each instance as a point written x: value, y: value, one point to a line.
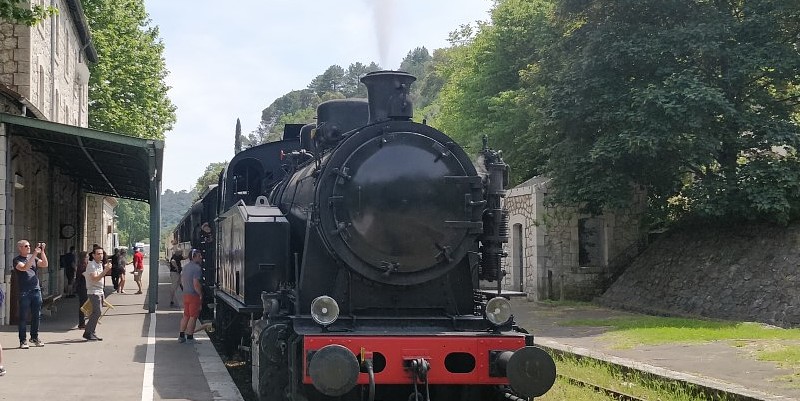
x: 498, y: 311
x: 324, y: 310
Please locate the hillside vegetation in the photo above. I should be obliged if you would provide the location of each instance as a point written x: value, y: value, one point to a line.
x: 695, y: 102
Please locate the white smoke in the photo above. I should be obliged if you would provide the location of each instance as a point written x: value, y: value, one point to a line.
x: 480, y: 166
x: 382, y: 13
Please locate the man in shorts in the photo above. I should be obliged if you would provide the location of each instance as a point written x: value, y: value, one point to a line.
x: 138, y: 268
x: 191, y: 275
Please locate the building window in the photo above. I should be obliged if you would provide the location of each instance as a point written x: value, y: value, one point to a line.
x: 591, y: 242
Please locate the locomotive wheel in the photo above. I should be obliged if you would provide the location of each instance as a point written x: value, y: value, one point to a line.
x: 272, y: 382
x: 224, y: 319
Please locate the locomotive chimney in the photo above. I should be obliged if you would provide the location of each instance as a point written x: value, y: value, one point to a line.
x: 388, y: 95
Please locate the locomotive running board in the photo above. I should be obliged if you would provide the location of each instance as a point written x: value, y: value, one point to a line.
x: 236, y: 304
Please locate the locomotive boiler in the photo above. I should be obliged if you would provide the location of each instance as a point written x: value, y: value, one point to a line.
x: 349, y: 258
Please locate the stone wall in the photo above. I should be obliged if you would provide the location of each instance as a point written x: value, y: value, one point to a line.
x: 43, y: 63
x: 552, y: 247
x: 747, y: 272
x: 37, y: 198
x: 99, y: 221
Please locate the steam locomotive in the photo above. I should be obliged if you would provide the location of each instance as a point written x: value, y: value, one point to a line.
x: 347, y: 258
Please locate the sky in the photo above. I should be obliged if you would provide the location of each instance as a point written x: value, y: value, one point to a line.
x: 230, y: 60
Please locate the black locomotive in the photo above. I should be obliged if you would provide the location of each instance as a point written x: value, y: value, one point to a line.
x: 348, y: 257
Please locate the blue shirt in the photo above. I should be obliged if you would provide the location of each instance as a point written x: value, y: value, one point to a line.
x: 27, y: 280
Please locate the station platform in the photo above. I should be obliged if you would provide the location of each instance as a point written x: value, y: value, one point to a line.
x: 139, y: 358
x: 730, y: 366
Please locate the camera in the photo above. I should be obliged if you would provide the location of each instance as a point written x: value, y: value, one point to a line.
x: 40, y: 244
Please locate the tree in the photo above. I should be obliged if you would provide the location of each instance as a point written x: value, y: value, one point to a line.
x: 288, y: 103
x: 415, y: 61
x: 127, y: 93
x: 351, y: 86
x: 174, y: 206
x: 695, y: 101
x: 483, y: 91
x: 237, y: 142
x: 20, y: 11
x: 209, y: 177
x: 332, y: 80
x: 133, y: 221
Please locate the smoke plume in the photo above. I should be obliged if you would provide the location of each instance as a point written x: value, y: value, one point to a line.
x: 382, y: 12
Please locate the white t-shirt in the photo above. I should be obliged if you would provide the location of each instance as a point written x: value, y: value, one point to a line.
x: 93, y: 287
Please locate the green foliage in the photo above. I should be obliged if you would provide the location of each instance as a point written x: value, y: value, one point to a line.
x: 633, y: 383
x: 300, y: 106
x: 237, y: 140
x: 286, y: 104
x: 210, y: 177
x: 20, y: 11
x: 484, y: 91
x: 133, y: 221
x: 415, y: 61
x: 689, y: 99
x: 652, y: 330
x: 332, y: 80
x: 694, y: 101
x: 173, y: 206
x: 127, y: 93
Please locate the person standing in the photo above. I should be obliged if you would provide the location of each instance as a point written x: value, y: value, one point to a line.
x: 97, y: 268
x: 192, y: 290
x: 138, y: 268
x: 114, y: 270
x: 80, y: 286
x: 26, y: 266
x: 68, y: 264
x: 119, y: 269
x: 175, y: 275
x: 173, y: 249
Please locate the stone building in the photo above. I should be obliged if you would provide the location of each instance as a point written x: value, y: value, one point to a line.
x: 560, y: 253
x: 59, y: 180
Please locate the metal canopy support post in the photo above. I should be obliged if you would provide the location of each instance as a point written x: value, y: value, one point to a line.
x: 155, y: 223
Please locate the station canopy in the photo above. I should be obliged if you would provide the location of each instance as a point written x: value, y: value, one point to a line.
x: 103, y: 163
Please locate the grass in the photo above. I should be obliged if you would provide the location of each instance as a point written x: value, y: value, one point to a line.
x: 607, y: 376
x: 769, y: 344
x: 786, y: 356
x: 654, y: 330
